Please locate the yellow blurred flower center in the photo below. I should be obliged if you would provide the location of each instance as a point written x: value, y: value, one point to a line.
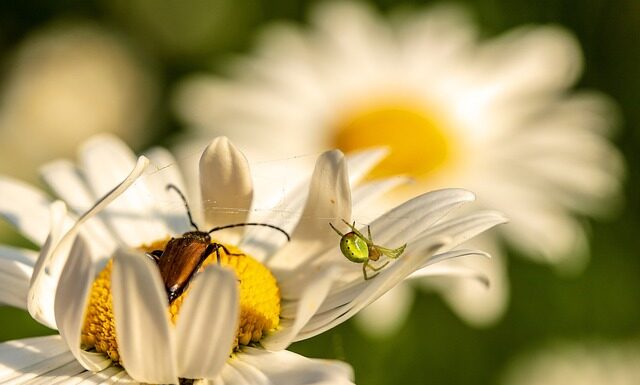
x: 416, y: 138
x: 259, y: 302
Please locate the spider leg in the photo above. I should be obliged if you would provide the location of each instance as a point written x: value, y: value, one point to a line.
x: 379, y: 267
x: 364, y: 270
x: 336, y: 230
x: 366, y: 265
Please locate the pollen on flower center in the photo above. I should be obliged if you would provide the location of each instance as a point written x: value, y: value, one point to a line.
x: 415, y: 136
x: 259, y: 302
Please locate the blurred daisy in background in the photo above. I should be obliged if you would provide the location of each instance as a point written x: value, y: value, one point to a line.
x: 495, y: 117
x: 586, y: 363
x: 264, y: 294
x: 65, y: 83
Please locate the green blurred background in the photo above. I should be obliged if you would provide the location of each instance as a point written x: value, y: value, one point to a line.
x: 171, y: 39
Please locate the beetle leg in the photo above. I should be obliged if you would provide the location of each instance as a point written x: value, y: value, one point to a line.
x: 226, y: 251
x: 155, y: 255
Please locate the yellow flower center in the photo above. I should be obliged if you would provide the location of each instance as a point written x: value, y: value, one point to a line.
x: 416, y: 137
x: 259, y: 302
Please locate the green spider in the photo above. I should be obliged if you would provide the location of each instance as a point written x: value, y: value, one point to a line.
x: 360, y: 249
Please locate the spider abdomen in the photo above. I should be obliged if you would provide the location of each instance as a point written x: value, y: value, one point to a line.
x: 354, y: 248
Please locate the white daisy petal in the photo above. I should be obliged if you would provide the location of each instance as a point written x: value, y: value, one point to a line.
x: 458, y: 230
x: 453, y: 254
x: 250, y: 374
x: 44, y: 360
x: 287, y: 368
x: 14, y: 287
x: 72, y: 296
x: 110, y: 375
x: 230, y: 375
x: 106, y: 161
x: 143, y: 331
x: 329, y: 200
x: 367, y: 195
x: 452, y: 271
x: 225, y: 185
x: 16, y: 268
x: 550, y: 56
x: 23, y: 360
x: 418, y: 214
x: 53, y: 254
x: 65, y: 180
x: 66, y: 374
x: 43, y: 282
x: 361, y: 162
x: 207, y: 325
x: 294, y: 315
x: 25, y: 207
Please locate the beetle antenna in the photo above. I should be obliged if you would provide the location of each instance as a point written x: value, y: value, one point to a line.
x: 250, y: 224
x: 186, y: 205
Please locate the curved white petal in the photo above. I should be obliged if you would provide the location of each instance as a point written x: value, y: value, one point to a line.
x: 53, y: 254
x: 250, y: 374
x: 25, y: 207
x: 26, y: 359
x: 418, y: 214
x: 361, y: 162
x: 366, y: 196
x: 18, y: 357
x: 288, y: 368
x: 65, y: 180
x: 329, y: 200
x: 225, y: 186
x: 208, y: 323
x: 106, y: 161
x: 72, y: 297
x: 45, y: 360
x: 143, y: 330
x: 16, y: 268
x: 230, y: 375
x: 295, y: 314
x: 110, y: 375
x: 40, y: 296
x: 549, y: 55
x: 458, y: 230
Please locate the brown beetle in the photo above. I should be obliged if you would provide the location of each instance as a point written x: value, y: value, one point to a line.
x: 182, y: 257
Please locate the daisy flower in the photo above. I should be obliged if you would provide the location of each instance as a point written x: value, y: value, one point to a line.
x: 494, y: 117
x: 109, y: 279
